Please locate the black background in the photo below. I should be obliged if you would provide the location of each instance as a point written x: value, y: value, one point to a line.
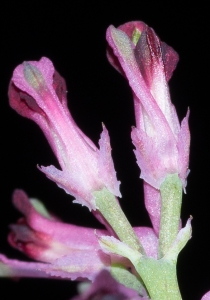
x: 72, y: 35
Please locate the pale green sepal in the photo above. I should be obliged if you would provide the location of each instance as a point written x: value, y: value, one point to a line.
x: 112, y: 212
x: 171, y: 199
x: 181, y: 240
x: 110, y: 244
x: 136, y: 36
x: 40, y: 208
x: 125, y: 277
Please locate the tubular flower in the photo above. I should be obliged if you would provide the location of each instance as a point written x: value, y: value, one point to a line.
x: 162, y: 145
x: 62, y: 250
x: 38, y: 92
x: 67, y: 250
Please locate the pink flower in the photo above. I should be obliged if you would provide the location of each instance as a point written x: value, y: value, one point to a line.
x: 162, y: 145
x: 38, y: 92
x: 68, y: 251
x: 63, y: 250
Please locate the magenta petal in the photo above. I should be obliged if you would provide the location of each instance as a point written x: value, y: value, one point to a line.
x: 151, y: 62
x: 170, y: 59
x: 148, y: 54
x: 151, y: 52
x: 59, y: 85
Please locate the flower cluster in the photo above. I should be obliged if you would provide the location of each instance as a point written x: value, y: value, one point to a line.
x: 121, y: 261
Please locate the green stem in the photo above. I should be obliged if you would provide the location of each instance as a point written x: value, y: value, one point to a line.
x: 112, y: 212
x: 125, y: 277
x: 171, y: 197
x: 159, y: 276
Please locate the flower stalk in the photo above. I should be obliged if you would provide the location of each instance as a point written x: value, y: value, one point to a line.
x: 112, y: 212
x: 171, y: 200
